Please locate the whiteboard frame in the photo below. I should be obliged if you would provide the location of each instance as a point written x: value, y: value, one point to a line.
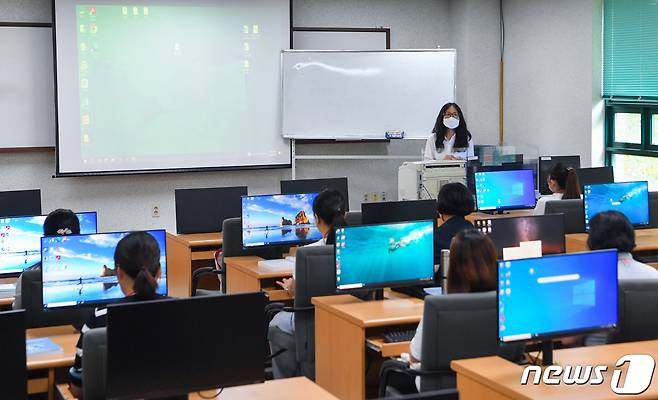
x: 446, y: 50
x: 382, y: 29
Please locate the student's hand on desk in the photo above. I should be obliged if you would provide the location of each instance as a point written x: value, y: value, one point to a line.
x: 287, y: 284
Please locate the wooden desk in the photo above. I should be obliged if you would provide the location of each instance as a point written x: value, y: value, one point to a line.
x: 646, y: 241
x: 182, y: 251
x: 6, y: 302
x: 244, y: 275
x: 298, y: 388
x: 344, y: 325
x: 498, y: 379
x: 480, y: 215
x: 64, y: 336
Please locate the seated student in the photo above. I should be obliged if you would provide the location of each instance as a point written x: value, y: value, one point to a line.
x: 612, y: 230
x: 455, y: 201
x: 328, y: 211
x: 564, y: 185
x: 137, y: 262
x: 473, y: 268
x: 59, y: 222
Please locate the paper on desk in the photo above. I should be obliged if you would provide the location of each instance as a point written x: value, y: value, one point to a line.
x: 41, y: 345
x: 525, y: 250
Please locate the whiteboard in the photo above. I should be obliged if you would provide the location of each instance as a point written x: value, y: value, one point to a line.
x: 27, y: 100
x: 350, y: 95
x: 338, y: 40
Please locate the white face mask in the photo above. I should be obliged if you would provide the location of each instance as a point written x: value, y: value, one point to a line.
x: 451, y: 122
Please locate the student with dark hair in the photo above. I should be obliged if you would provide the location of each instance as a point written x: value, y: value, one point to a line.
x: 137, y: 265
x: 455, y: 201
x: 473, y: 268
x: 450, y: 139
x: 329, y: 212
x: 612, y: 230
x: 58, y: 223
x: 564, y: 185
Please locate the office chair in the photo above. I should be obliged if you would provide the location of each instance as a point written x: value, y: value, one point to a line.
x: 314, y: 276
x: 447, y: 394
x: 94, y: 364
x: 636, y: 297
x: 653, y: 209
x: 455, y: 326
x: 36, y: 316
x: 574, y: 215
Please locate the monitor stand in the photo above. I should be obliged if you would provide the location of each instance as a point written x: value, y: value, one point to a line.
x: 496, y: 212
x: 369, y: 294
x: 547, y: 352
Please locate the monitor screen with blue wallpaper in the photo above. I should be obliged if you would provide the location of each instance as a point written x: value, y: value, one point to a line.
x: 79, y: 269
x: 505, y: 190
x: 557, y: 295
x: 384, y: 255
x: 629, y: 198
x: 279, y: 219
x: 20, y: 240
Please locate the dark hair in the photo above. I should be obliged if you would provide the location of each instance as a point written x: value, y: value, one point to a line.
x: 61, y: 219
x: 462, y: 135
x: 611, y: 230
x: 473, y: 260
x: 455, y: 199
x: 329, y: 206
x: 138, y: 255
x: 567, y: 180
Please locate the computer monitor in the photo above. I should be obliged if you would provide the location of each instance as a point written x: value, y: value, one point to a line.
x: 629, y: 198
x: 472, y: 168
x: 278, y: 220
x: 20, y: 202
x: 201, y: 343
x: 505, y: 190
x: 80, y: 270
x: 12, y: 345
x: 511, y: 232
x: 316, y: 186
x: 546, y: 164
x: 384, y: 255
x: 398, y: 211
x: 20, y: 240
x: 594, y: 176
x: 204, y: 210
x: 558, y: 295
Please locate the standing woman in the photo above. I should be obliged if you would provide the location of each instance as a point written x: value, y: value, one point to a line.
x: 450, y: 139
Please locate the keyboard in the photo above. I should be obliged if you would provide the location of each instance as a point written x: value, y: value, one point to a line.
x: 399, y: 335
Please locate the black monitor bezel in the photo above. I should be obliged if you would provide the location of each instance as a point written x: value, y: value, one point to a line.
x: 505, y: 208
x: 605, y: 168
x: 585, y: 224
x: 382, y: 285
x: 544, y: 216
x: 181, y: 226
x: 277, y: 244
x: 541, y: 182
x: 106, y: 301
x: 18, y: 273
x: 384, y: 204
x: 558, y: 334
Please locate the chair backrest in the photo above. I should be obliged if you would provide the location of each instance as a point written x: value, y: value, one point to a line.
x: 94, y: 363
x: 232, y: 245
x: 459, y: 326
x: 653, y: 209
x: 636, y: 298
x: 314, y: 276
x: 353, y: 218
x: 36, y: 316
x: 574, y: 215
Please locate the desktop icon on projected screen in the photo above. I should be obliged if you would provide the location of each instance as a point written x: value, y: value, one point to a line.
x: 93, y: 28
x: 82, y: 28
x: 255, y: 29
x: 146, y: 11
x: 92, y: 11
x: 245, y: 28
x: 124, y: 10
x: 84, y: 83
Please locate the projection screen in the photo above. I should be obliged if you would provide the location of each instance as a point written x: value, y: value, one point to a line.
x: 169, y: 85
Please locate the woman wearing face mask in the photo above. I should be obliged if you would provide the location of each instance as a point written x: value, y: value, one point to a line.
x: 450, y: 139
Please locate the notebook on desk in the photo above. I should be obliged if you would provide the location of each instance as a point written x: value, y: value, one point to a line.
x: 40, y: 346
x: 7, y: 290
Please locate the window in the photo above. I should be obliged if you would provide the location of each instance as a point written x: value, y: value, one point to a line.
x: 630, y: 88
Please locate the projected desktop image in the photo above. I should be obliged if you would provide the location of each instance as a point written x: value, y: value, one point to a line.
x: 629, y: 198
x: 79, y: 269
x: 20, y: 240
x: 384, y: 255
x: 280, y: 219
x: 557, y: 295
x: 505, y: 190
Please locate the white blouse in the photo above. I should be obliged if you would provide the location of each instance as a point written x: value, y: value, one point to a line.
x: 431, y: 152
x: 540, y: 208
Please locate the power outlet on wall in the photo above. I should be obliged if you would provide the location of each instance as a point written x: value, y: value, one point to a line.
x: 155, y: 212
x: 373, y: 197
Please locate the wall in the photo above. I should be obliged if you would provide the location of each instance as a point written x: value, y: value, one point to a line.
x: 549, y: 81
